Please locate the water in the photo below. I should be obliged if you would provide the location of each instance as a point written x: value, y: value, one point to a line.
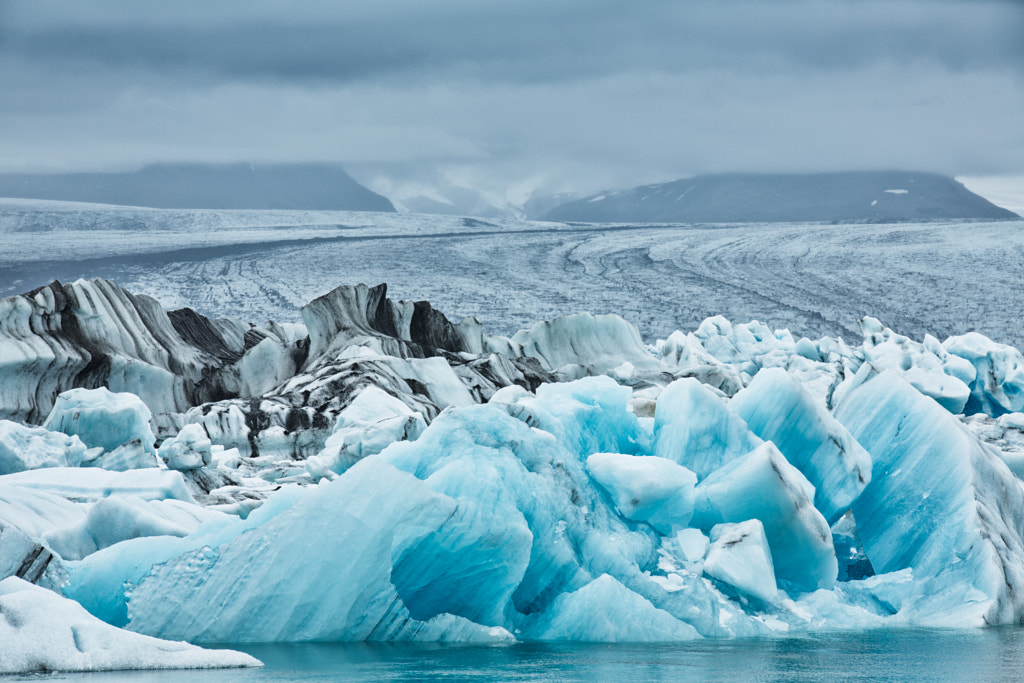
x: 919, y: 655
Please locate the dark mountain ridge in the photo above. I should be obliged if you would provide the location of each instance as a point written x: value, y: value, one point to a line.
x: 205, y: 186
x: 851, y: 197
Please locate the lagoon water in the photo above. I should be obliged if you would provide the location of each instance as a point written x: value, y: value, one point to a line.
x: 916, y: 655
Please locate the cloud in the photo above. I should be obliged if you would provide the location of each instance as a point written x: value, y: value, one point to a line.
x: 585, y: 94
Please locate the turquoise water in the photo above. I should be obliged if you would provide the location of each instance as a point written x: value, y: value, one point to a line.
x: 984, y: 655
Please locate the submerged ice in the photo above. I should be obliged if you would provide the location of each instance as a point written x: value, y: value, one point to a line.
x: 381, y: 473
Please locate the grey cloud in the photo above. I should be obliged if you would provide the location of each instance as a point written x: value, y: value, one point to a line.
x: 575, y: 95
x: 530, y: 41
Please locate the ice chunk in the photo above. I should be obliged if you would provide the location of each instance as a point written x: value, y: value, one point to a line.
x: 365, y: 427
x: 778, y: 409
x: 739, y: 556
x: 587, y: 416
x: 927, y: 366
x: 91, y: 484
x: 938, y: 503
x: 130, y: 456
x: 43, y: 632
x: 763, y: 485
x: 853, y: 561
x: 118, y: 518
x: 102, y: 418
x: 697, y: 429
x: 598, y: 344
x: 999, y: 385
x: 28, y: 448
x: 646, y: 489
x: 189, y: 450
x: 606, y: 611
x: 29, y: 559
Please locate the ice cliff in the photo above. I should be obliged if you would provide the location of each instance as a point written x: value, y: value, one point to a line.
x: 382, y: 473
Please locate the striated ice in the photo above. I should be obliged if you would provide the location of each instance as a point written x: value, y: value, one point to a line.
x: 591, y: 344
x: 778, y: 409
x: 939, y: 503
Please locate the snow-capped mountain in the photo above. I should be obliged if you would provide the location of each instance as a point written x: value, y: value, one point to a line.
x: 205, y: 186
x: 831, y: 197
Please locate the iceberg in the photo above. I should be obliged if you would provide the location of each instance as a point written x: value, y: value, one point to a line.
x: 381, y: 473
x: 939, y: 504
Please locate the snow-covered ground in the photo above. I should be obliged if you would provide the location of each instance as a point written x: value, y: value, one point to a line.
x: 815, y: 279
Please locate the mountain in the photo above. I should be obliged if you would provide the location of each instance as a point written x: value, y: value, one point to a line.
x: 879, y: 196
x: 205, y: 186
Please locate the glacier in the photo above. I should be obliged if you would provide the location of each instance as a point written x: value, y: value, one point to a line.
x: 381, y: 473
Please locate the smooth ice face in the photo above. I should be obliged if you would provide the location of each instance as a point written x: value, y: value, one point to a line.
x: 43, y: 632
x: 646, y: 489
x: 999, y: 384
x: 697, y: 429
x: 28, y: 448
x: 938, y: 503
x: 739, y: 556
x: 763, y: 485
x: 102, y: 418
x: 605, y: 611
x: 778, y: 409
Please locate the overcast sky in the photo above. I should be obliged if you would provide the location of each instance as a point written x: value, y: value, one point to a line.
x: 574, y: 95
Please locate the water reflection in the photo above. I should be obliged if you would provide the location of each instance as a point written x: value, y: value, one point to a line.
x: 919, y: 655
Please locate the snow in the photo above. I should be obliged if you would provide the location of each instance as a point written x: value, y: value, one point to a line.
x: 42, y: 632
x: 896, y: 191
